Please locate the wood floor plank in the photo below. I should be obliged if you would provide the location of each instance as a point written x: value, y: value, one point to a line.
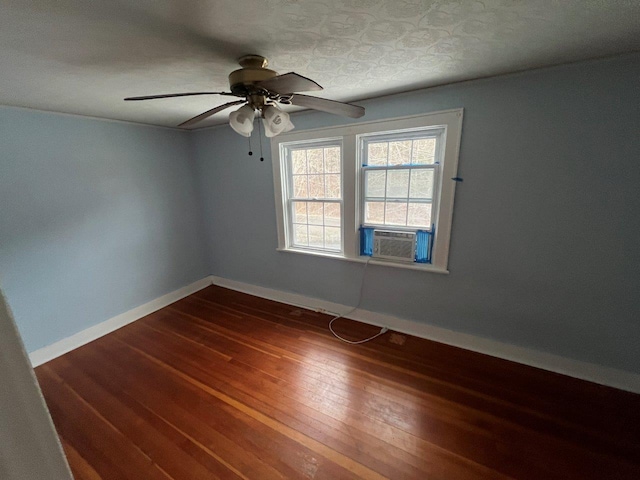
x: 231, y: 384
x: 98, y: 436
x: 539, y: 393
x: 485, y: 446
x: 380, y: 422
x: 80, y: 468
x: 501, y: 408
x: 226, y: 385
x: 270, y: 450
x: 399, y: 441
x: 197, y: 417
x: 156, y: 438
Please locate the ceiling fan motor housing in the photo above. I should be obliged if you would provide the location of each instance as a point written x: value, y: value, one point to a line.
x: 242, y: 82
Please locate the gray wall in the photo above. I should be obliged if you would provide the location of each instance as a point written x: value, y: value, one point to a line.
x: 544, y: 250
x: 96, y: 218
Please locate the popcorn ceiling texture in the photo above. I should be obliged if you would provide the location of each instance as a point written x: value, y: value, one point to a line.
x: 84, y: 57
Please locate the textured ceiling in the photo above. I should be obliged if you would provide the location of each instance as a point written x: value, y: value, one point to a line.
x: 84, y: 57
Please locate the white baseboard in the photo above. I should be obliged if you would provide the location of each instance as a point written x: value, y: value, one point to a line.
x: 43, y: 355
x: 574, y: 368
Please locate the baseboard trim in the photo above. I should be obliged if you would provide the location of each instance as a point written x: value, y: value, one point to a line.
x: 43, y: 355
x: 610, y: 377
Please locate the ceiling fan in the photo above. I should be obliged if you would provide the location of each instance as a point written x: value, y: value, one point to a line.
x: 261, y: 90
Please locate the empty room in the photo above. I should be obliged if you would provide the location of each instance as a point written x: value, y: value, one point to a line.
x: 296, y: 239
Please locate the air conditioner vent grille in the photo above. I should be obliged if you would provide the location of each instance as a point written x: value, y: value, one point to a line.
x: 394, y: 248
x: 394, y: 245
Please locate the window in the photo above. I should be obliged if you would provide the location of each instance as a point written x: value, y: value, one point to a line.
x: 314, y: 195
x: 336, y: 186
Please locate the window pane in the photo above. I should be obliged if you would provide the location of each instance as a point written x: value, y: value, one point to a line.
x: 300, y: 236
x: 298, y: 162
x: 375, y: 183
x: 332, y: 160
x: 316, y: 186
x: 315, y: 210
x: 316, y: 235
x: 332, y: 185
x: 377, y: 154
x: 300, y: 186
x: 395, y: 213
x: 424, y: 151
x: 315, y: 159
x: 419, y: 215
x: 400, y: 152
x: 421, y: 184
x: 398, y: 183
x: 332, y: 238
x: 299, y: 212
x: 332, y: 214
x: 374, y: 213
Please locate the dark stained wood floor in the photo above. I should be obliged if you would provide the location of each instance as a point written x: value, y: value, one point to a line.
x: 229, y: 386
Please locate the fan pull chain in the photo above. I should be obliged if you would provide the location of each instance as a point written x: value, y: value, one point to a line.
x: 250, y: 152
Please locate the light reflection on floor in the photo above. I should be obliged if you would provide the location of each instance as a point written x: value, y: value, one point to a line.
x: 325, y: 383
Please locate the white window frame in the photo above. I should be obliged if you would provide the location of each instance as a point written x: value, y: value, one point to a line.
x: 288, y: 198
x: 352, y: 177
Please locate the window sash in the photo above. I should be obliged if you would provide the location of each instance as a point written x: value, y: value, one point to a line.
x: 290, y: 198
x: 323, y: 225
x: 435, y: 167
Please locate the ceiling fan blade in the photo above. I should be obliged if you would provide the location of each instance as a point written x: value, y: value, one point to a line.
x: 329, y: 106
x: 208, y: 113
x: 289, y: 83
x: 169, y: 95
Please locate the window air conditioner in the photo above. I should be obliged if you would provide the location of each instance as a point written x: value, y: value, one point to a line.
x: 394, y: 245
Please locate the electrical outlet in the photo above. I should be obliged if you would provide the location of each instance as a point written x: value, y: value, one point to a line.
x: 397, y: 339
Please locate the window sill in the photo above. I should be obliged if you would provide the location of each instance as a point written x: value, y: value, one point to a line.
x: 372, y: 261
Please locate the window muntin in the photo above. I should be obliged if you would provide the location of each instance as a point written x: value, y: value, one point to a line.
x: 399, y: 174
x: 314, y: 196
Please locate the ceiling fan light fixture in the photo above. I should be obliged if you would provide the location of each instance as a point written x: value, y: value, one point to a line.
x: 260, y: 88
x: 241, y: 120
x: 275, y: 121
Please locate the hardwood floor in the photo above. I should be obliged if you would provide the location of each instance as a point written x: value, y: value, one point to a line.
x: 223, y: 385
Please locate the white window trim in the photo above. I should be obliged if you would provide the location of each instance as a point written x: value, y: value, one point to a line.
x: 287, y: 186
x: 451, y: 120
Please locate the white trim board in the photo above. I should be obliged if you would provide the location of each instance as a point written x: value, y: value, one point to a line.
x: 44, y: 354
x: 547, y: 361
